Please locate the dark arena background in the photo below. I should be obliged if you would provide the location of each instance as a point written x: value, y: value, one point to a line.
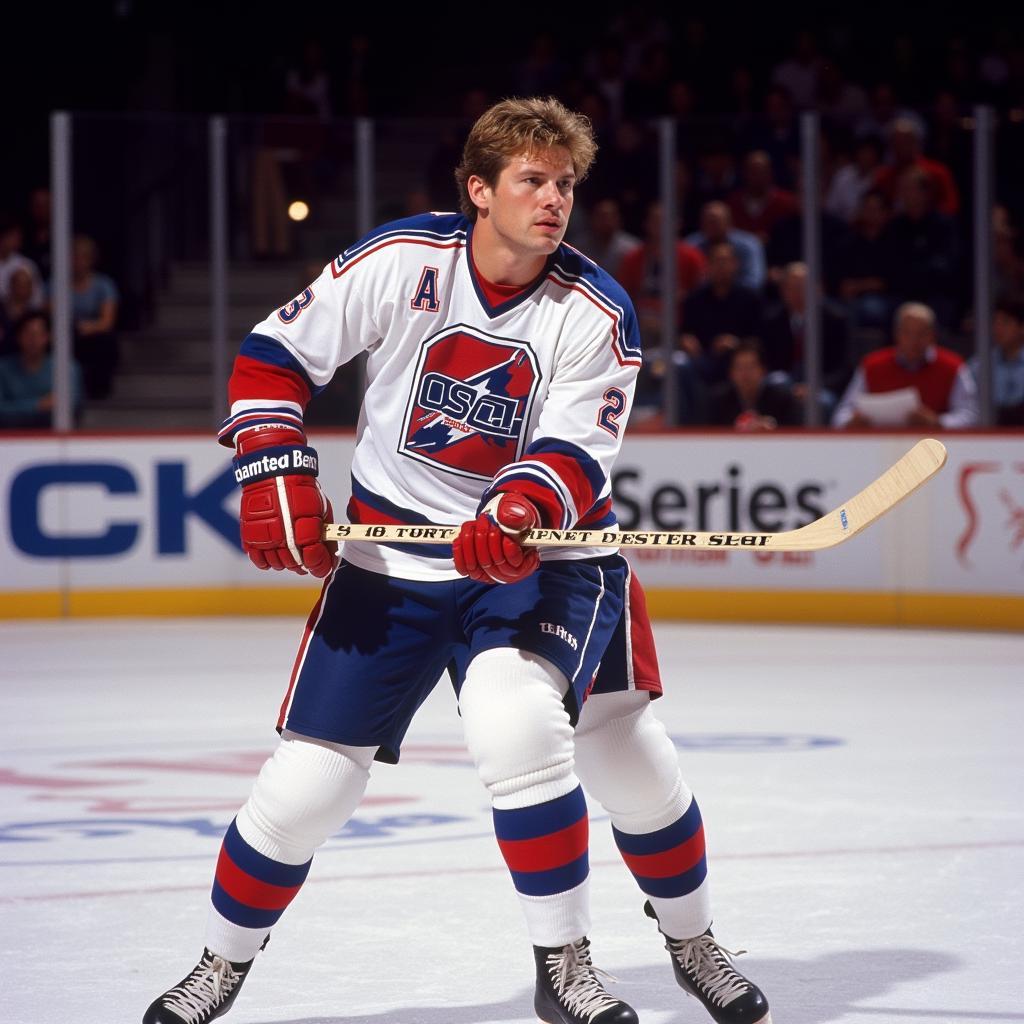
x: 812, y: 213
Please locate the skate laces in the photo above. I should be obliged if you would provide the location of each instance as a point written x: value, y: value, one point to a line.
x: 575, y: 979
x: 203, y: 990
x: 708, y: 965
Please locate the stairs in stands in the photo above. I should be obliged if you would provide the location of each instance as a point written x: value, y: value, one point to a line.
x: 165, y: 380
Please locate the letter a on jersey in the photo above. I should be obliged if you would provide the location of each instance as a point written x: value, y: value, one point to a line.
x: 425, y: 297
x: 471, y: 400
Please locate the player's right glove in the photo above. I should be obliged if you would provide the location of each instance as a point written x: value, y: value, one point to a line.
x: 283, y: 510
x: 488, y: 548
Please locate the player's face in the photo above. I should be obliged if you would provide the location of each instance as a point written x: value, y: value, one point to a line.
x: 528, y: 208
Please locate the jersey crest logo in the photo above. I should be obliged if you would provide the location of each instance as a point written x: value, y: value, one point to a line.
x: 471, y: 398
x: 425, y: 297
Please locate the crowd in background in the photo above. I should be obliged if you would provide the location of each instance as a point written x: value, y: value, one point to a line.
x: 26, y: 367
x: 896, y: 205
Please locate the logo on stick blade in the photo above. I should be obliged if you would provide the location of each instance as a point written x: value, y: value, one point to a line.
x: 471, y: 397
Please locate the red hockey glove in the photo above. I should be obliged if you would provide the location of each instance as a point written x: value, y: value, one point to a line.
x: 283, y: 509
x: 487, y: 548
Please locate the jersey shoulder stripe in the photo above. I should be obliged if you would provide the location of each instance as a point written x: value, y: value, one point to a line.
x: 571, y: 269
x: 438, y: 230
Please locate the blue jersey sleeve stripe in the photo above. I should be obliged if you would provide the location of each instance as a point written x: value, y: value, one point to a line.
x: 590, y: 466
x: 270, y: 351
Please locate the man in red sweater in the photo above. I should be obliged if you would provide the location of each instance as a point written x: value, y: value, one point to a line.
x: 947, y: 396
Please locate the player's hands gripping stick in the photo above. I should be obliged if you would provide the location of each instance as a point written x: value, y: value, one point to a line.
x: 283, y: 510
x: 488, y: 548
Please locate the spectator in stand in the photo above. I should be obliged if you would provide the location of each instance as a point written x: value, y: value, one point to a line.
x: 26, y: 378
x: 786, y: 244
x: 799, y: 74
x: 629, y: 171
x: 716, y: 227
x: 841, y: 103
x: 94, y: 303
x: 1007, y: 362
x: 865, y: 265
x: 640, y: 273
x: 947, y: 395
x: 718, y: 314
x: 783, y: 332
x: 851, y: 183
x: 760, y: 204
x: 37, y: 230
x: 18, y: 303
x: 950, y: 140
x: 746, y: 401
x: 905, y: 139
x: 923, y: 249
x: 714, y: 178
x: 542, y: 70
x: 13, y: 259
x: 1008, y: 265
x: 777, y: 133
x: 884, y: 108
x: 607, y: 72
x: 603, y: 239
x: 647, y: 86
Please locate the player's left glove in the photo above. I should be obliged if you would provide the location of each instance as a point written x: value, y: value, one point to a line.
x: 488, y: 548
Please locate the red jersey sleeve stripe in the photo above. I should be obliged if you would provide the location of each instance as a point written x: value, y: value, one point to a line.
x: 255, y: 379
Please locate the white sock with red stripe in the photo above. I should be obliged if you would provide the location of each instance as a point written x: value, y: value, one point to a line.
x: 627, y: 762
x: 519, y: 734
x: 304, y: 793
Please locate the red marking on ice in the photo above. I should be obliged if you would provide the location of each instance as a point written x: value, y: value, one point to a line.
x: 10, y: 777
x: 178, y: 805
x: 461, y: 870
x: 248, y: 763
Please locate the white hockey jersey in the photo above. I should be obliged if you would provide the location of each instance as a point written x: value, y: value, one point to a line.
x: 463, y: 398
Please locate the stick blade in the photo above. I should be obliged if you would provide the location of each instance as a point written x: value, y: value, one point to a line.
x: 898, y: 482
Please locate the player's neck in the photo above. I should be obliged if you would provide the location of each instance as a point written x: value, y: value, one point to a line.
x: 495, y: 260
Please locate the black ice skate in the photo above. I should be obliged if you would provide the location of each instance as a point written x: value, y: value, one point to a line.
x: 569, y: 990
x: 203, y: 996
x: 704, y: 969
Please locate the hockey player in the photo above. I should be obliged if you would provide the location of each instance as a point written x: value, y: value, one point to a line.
x: 500, y: 372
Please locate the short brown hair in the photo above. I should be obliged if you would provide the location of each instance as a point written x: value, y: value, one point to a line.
x: 517, y: 126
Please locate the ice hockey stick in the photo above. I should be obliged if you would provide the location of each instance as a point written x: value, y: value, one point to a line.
x: 918, y: 466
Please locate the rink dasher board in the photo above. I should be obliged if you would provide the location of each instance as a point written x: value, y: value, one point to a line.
x: 97, y: 525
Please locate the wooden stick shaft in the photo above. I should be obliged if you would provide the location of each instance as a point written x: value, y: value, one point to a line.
x: 921, y: 463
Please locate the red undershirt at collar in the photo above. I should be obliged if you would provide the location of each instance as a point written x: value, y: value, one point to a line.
x: 496, y: 294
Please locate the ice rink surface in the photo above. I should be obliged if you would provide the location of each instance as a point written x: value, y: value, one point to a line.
x: 861, y: 791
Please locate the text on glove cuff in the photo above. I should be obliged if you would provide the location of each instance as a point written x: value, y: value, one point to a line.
x: 270, y: 462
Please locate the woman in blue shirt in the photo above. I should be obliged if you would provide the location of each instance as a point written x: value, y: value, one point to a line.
x: 94, y: 304
x: 26, y: 378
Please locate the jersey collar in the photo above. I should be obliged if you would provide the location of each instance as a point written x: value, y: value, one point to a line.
x: 503, y: 307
